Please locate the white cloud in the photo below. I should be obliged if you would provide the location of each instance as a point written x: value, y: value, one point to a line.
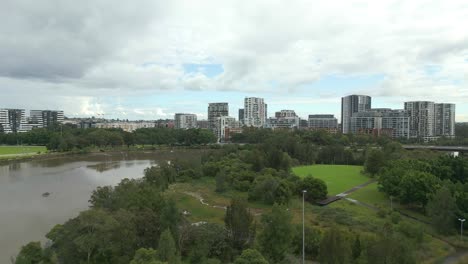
x: 93, y: 49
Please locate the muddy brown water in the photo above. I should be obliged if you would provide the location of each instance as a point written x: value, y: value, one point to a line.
x: 27, y: 215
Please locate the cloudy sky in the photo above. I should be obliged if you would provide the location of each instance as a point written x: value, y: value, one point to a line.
x: 147, y: 59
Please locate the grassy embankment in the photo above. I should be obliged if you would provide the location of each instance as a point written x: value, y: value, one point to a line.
x: 344, y: 213
x: 9, y: 152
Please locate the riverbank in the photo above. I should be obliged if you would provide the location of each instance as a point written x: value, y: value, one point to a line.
x: 6, y: 159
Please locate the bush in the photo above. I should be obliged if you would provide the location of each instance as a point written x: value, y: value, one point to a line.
x: 411, y: 231
x: 395, y: 217
x: 382, y: 213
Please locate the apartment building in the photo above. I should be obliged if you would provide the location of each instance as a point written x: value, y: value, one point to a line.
x: 382, y: 121
x: 185, y: 121
x: 216, y: 110
x: 444, y: 120
x: 422, y: 119
x: 284, y: 119
x: 45, y: 118
x: 13, y: 121
x: 224, y: 125
x: 323, y: 122
x: 254, y: 112
x: 352, y: 104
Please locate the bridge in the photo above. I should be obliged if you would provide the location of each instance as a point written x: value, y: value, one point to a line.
x: 461, y: 149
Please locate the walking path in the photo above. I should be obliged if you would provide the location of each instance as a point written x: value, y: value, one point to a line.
x: 337, y: 197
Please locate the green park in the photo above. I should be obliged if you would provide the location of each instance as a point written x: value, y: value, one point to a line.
x: 21, y: 151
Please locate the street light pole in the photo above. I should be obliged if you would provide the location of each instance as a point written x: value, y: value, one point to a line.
x: 461, y: 227
x: 303, y: 227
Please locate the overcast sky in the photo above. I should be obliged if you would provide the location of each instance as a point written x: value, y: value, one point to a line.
x: 149, y: 59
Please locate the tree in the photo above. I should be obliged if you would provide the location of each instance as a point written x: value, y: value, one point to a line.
x: 316, y: 188
x: 276, y: 238
x: 30, y: 254
x: 167, y: 249
x: 221, y: 179
x: 335, y: 247
x: 375, y: 160
x: 170, y: 218
x: 313, y: 236
x: 391, y: 249
x: 239, y: 224
x: 416, y: 187
x: 145, y: 256
x: 441, y: 209
x: 250, y: 256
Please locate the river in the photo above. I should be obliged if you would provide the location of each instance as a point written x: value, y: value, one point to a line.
x: 25, y: 215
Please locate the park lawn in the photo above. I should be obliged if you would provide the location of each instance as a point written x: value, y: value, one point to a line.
x: 12, y: 151
x: 339, y: 178
x: 370, y: 195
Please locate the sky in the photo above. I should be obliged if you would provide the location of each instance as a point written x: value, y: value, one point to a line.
x: 149, y: 59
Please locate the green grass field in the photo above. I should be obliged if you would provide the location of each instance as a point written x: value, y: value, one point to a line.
x: 370, y: 195
x: 339, y: 178
x: 12, y: 151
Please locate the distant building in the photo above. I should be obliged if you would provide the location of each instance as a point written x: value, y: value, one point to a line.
x: 285, y: 119
x: 225, y: 124
x: 216, y: 110
x: 13, y: 121
x: 205, y: 124
x: 323, y: 122
x: 254, y: 112
x: 381, y: 121
x: 444, y: 120
x: 303, y: 124
x: 85, y: 124
x: 164, y: 123
x: 185, y: 121
x: 45, y: 118
x: 352, y: 104
x: 422, y: 119
x: 127, y: 126
x: 241, y: 116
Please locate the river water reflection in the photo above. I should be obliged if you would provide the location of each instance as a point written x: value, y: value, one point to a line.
x: 25, y: 215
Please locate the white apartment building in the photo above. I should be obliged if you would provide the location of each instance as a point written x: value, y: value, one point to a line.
x: 254, y: 112
x: 381, y: 121
x: 185, y: 121
x: 13, y: 121
x: 285, y: 119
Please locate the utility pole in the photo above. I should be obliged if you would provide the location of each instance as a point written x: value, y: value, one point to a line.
x: 303, y: 226
x: 461, y: 227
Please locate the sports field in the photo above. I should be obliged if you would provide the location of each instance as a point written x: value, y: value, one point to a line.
x: 339, y: 178
x: 12, y: 151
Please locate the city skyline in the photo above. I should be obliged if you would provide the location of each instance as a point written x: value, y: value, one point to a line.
x: 150, y: 59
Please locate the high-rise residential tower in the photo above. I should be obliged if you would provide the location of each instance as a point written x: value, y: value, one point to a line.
x: 45, y: 118
x: 444, y: 120
x: 12, y: 120
x: 352, y: 104
x: 254, y: 112
x: 216, y: 110
x: 241, y: 116
x: 422, y: 119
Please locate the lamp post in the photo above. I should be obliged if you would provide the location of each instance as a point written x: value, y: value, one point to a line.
x: 303, y: 227
x: 461, y: 227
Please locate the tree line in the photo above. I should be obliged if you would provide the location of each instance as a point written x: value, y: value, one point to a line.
x: 68, y: 138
